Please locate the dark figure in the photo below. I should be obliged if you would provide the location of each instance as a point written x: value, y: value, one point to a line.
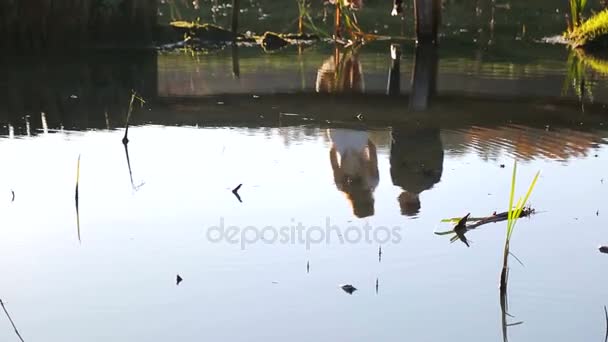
x: 416, y: 164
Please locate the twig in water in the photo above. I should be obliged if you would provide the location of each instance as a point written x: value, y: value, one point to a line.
x: 236, y: 193
x: 11, y: 320
x: 178, y: 280
x: 13, y: 193
x: 461, y: 228
x: 380, y: 254
x: 308, y: 267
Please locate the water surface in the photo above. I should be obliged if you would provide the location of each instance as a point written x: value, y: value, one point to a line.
x: 315, y: 141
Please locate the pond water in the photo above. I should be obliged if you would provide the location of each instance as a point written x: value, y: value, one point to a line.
x: 347, y: 161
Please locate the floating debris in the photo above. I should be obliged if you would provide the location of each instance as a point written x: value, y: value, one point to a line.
x: 377, y: 286
x: 475, y: 222
x: 236, y: 194
x: 178, y: 280
x: 308, y: 267
x: 502, y: 166
x: 461, y: 228
x: 272, y: 41
x: 13, y: 198
x: 349, y: 289
x: 604, y: 249
x: 380, y: 254
x: 204, y: 32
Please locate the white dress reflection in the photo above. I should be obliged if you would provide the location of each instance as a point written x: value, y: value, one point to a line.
x: 354, y: 163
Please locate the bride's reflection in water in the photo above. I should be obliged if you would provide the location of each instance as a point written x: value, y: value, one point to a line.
x: 416, y: 164
x: 354, y: 162
x: 353, y: 155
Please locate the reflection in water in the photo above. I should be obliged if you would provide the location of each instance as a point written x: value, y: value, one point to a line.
x: 135, y: 187
x: 354, y: 163
x: 504, y: 311
x: 341, y: 72
x: 76, y: 199
x: 394, y: 74
x: 527, y: 142
x: 236, y: 66
x: 416, y: 164
x: 424, y: 76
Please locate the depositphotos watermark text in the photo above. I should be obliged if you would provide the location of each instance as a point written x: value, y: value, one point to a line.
x: 298, y: 233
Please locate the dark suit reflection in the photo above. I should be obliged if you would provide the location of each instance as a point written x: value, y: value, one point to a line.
x: 416, y: 164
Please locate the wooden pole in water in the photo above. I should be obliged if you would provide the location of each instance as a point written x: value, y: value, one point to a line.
x: 424, y: 76
x: 235, y: 16
x: 337, y: 21
x: 428, y: 16
x: 394, y: 74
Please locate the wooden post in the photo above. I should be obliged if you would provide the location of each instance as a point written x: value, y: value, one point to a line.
x: 235, y: 16
x: 236, y: 67
x: 424, y: 76
x: 337, y: 21
x: 394, y: 74
x: 428, y: 16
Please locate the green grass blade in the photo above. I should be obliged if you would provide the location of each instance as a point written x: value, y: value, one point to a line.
x: 511, y: 196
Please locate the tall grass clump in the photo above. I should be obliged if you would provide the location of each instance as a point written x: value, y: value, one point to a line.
x: 513, y: 215
x: 589, y: 31
x: 576, y: 10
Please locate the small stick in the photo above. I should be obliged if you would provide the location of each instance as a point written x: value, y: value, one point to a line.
x: 235, y: 192
x: 13, y: 193
x: 11, y: 320
x: 125, y: 139
x: 76, y: 198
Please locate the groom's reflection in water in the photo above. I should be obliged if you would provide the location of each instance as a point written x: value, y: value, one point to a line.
x: 354, y: 163
x: 416, y: 164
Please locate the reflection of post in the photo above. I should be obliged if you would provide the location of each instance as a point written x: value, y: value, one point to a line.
x: 424, y: 76
x: 428, y: 15
x: 394, y: 74
x: 236, y: 69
